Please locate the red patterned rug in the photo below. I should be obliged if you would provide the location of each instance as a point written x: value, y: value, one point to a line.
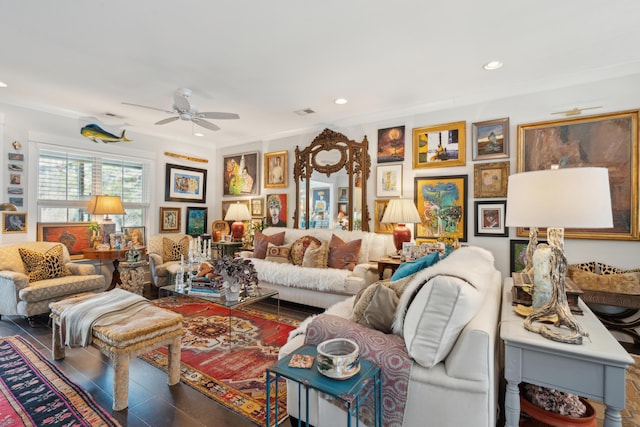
x: 231, y: 372
x: 34, y: 392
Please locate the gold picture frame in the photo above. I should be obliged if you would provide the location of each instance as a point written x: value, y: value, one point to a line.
x: 379, y: 207
x: 170, y: 220
x: 490, y: 179
x: 257, y: 207
x: 14, y: 222
x: 275, y: 169
x: 583, y: 142
x: 440, y: 145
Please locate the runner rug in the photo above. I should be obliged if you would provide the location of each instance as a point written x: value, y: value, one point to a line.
x: 229, y: 371
x: 34, y: 392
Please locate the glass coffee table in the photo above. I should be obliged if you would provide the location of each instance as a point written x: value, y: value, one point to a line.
x: 221, y: 301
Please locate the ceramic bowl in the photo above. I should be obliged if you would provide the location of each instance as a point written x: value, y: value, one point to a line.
x: 338, y: 358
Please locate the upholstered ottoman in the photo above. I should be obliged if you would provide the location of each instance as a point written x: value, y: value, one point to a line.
x: 144, y: 331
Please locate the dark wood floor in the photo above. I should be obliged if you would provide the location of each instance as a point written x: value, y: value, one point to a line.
x: 151, y: 401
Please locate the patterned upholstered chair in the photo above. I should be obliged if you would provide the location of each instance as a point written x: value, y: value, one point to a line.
x: 164, y: 252
x: 34, y: 274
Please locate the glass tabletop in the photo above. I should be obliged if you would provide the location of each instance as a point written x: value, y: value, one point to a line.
x: 244, y: 299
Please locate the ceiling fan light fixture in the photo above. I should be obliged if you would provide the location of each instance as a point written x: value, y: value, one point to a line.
x: 492, y: 65
x: 340, y: 101
x: 3, y: 84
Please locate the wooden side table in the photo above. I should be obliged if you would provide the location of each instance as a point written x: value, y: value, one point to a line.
x: 114, y: 255
x: 384, y: 263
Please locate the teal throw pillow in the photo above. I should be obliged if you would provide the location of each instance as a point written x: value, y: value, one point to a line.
x: 408, y: 268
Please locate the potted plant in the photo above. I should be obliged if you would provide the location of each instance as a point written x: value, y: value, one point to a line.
x: 94, y: 234
x: 238, y: 275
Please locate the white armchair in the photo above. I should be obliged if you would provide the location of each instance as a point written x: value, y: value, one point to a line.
x: 164, y: 256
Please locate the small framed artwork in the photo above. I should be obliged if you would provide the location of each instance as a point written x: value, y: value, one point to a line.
x: 277, y: 210
x: 490, y: 179
x: 18, y: 201
x: 16, y: 156
x: 116, y: 240
x: 389, y: 181
x: 185, y: 184
x: 15, y: 167
x: 320, y: 197
x: 196, y: 221
x: 491, y: 139
x: 518, y: 254
x: 15, y: 179
x: 15, y: 190
x: 241, y: 174
x: 74, y: 235
x: 442, y: 204
x: 379, y: 207
x: 343, y: 194
x: 439, y: 146
x: 15, y: 222
x: 391, y: 144
x: 490, y: 219
x: 170, y: 220
x: 134, y: 235
x: 275, y: 169
x: 257, y: 207
x: 227, y: 203
x: 343, y: 209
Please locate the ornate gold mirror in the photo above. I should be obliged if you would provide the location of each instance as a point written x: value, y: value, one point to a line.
x: 331, y: 183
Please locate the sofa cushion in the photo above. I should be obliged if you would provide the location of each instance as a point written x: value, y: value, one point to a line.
x: 585, y: 266
x: 42, y: 266
x: 278, y: 254
x: 343, y: 255
x: 316, y: 257
x: 173, y: 251
x: 300, y: 246
x: 609, y: 269
x: 412, y: 267
x: 261, y: 241
x: 375, y: 305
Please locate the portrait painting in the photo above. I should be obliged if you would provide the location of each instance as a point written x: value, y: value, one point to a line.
x: 241, y: 174
x: 134, y: 235
x: 275, y: 169
x: 490, y: 179
x: 391, y: 144
x: 170, y: 221
x: 276, y: 210
x: 185, y: 184
x: 442, y: 204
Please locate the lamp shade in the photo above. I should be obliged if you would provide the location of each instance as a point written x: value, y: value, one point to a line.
x: 237, y: 213
x: 400, y: 212
x: 8, y: 207
x: 563, y: 198
x: 105, y: 205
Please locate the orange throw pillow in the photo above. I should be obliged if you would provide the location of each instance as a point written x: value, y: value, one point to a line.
x: 261, y: 241
x: 343, y: 255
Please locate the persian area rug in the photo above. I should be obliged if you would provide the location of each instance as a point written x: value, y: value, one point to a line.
x: 231, y: 372
x: 34, y: 392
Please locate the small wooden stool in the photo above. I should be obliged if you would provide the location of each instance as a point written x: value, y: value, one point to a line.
x: 148, y: 329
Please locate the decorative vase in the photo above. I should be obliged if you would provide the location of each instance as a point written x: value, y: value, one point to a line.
x: 543, y: 418
x: 232, y: 290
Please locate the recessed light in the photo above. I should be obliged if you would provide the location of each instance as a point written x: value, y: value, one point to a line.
x: 493, y: 65
x: 340, y: 101
x: 198, y: 134
x: 3, y: 84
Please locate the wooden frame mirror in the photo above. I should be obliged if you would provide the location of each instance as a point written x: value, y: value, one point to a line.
x: 331, y: 163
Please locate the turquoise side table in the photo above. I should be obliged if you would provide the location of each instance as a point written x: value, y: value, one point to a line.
x: 352, y: 391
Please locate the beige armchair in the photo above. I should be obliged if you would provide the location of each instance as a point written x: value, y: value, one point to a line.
x: 23, y: 297
x: 164, y: 256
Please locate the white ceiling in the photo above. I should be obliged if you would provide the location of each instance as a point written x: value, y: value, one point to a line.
x: 266, y: 59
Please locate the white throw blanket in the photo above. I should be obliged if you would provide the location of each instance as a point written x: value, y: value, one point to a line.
x: 78, y: 320
x: 319, y: 279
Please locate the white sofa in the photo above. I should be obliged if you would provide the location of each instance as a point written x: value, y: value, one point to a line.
x: 322, y: 287
x: 449, y: 337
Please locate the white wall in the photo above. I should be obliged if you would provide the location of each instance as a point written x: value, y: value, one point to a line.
x: 613, y: 95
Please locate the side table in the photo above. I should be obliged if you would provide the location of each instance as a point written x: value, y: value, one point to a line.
x: 114, y: 255
x: 226, y: 248
x: 132, y: 276
x: 352, y: 391
x: 386, y: 262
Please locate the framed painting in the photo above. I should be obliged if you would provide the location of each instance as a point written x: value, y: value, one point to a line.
x: 491, y: 139
x: 343, y: 194
x: 257, y: 207
x: 606, y: 140
x: 196, y: 221
x: 439, y: 146
x: 379, y: 207
x: 275, y: 169
x: 227, y: 203
x: 170, y: 220
x: 276, y: 210
x: 74, y: 235
x: 389, y: 181
x: 116, y: 240
x: 490, y: 179
x: 14, y: 222
x: 134, y: 235
x: 241, y: 174
x: 442, y: 204
x: 490, y: 218
x: 185, y: 184
x: 343, y: 209
x: 391, y: 144
x: 518, y: 253
x: 320, y: 197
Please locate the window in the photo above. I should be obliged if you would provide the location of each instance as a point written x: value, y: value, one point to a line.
x: 66, y: 181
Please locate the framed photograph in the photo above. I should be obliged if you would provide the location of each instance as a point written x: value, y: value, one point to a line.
x: 134, y: 235
x: 257, y: 207
x: 116, y: 240
x: 15, y: 167
x: 439, y: 146
x: 15, y: 179
x: 170, y: 220
x: 196, y: 221
x: 276, y: 210
x: 607, y: 140
x: 275, y: 169
x: 490, y: 219
x: 518, y: 252
x: 74, y: 235
x: 241, y: 174
x: 16, y: 156
x: 379, y: 207
x: 14, y: 222
x: 491, y: 139
x: 185, y: 184
x: 389, y: 181
x: 442, y: 204
x: 343, y: 209
x: 343, y: 194
x: 391, y: 144
x: 18, y: 201
x: 15, y: 190
x: 227, y: 203
x: 490, y: 179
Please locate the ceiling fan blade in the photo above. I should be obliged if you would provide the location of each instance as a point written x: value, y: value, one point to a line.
x: 204, y: 124
x: 213, y: 115
x: 169, y: 120
x: 151, y: 108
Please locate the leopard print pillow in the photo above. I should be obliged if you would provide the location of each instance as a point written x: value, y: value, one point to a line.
x: 171, y: 251
x: 585, y: 266
x: 42, y: 266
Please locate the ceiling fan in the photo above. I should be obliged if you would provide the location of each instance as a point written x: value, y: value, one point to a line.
x: 185, y: 111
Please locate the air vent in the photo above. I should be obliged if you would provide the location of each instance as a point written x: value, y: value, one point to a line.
x: 304, y: 112
x: 112, y: 115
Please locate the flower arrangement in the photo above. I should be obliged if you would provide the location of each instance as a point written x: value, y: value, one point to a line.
x: 239, y: 270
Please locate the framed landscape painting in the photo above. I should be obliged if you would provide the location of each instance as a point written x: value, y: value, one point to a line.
x: 442, y: 204
x: 491, y: 139
x: 439, y: 146
x: 391, y: 144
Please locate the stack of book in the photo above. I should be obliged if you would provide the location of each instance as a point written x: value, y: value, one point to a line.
x: 202, y: 286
